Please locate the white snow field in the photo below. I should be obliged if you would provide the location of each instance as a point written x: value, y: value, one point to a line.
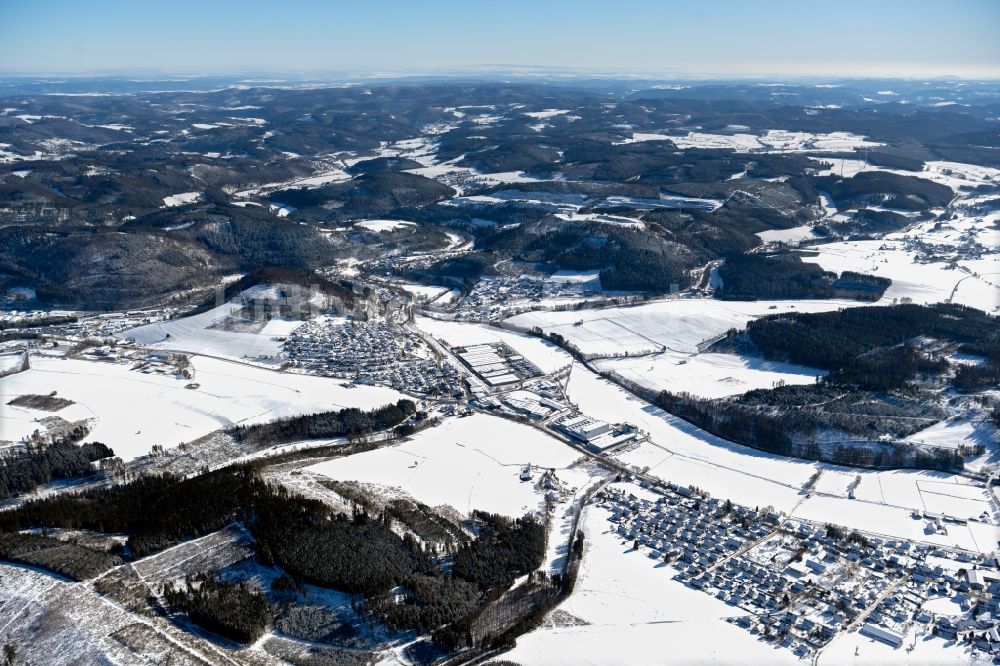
x: 677, y: 325
x: 953, y: 434
x: 787, y: 236
x: 546, y: 113
x: 772, y: 141
x: 10, y: 361
x: 419, y: 291
x: 466, y: 463
x: 132, y: 411
x: 193, y: 334
x: 182, y: 199
x: 384, y: 225
x: 707, y: 375
x: 920, y: 282
x: 690, y: 643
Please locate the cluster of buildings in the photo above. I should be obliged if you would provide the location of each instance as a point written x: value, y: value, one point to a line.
x: 496, y: 364
x: 802, y: 584
x: 538, y: 400
x: 680, y: 526
x: 78, y: 325
x: 503, y: 296
x: 598, y: 436
x: 370, y: 353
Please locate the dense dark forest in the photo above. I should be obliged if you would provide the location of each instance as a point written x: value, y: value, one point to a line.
x: 349, y: 422
x: 23, y: 470
x: 156, y: 512
x: 63, y: 557
x: 769, y: 276
x: 280, y: 275
x: 374, y: 193
x: 233, y: 610
x: 787, y: 432
x: 355, y: 554
x: 39, y: 322
x: 504, y: 550
x: 889, y: 189
x: 867, y: 346
x: 872, y: 356
x: 628, y: 260
x: 758, y: 276
x: 971, y: 378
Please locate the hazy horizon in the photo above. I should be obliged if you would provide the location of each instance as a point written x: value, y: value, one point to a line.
x: 777, y: 39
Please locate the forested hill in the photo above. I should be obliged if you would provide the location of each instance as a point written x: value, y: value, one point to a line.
x: 829, y: 339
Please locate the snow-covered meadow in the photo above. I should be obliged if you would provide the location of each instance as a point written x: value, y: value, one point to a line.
x: 465, y: 463
x: 132, y: 411
x: 677, y: 325
x: 202, y: 334
x: 707, y: 375
x: 776, y: 141
x: 967, y: 282
x: 383, y: 225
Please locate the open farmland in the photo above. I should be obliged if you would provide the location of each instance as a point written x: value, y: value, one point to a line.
x: 206, y: 334
x: 674, y: 325
x: 467, y: 464
x: 707, y: 375
x: 134, y: 411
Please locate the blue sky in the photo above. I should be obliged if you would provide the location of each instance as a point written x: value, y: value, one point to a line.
x: 742, y: 38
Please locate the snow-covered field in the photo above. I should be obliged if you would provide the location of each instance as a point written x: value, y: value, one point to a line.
x: 929, y: 282
x: 466, y: 463
x: 132, y: 411
x: 11, y: 361
x: 777, y: 141
x: 428, y: 292
x: 788, y: 236
x: 897, y: 523
x: 193, y: 334
x: 676, y: 325
x: 708, y: 375
x: 383, y: 225
x: 182, y: 199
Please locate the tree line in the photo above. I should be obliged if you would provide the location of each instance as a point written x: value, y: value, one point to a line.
x: 348, y: 422
x: 35, y: 465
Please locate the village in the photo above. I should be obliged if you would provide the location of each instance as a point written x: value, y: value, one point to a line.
x: 72, y: 324
x: 370, y: 352
x: 798, y: 585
